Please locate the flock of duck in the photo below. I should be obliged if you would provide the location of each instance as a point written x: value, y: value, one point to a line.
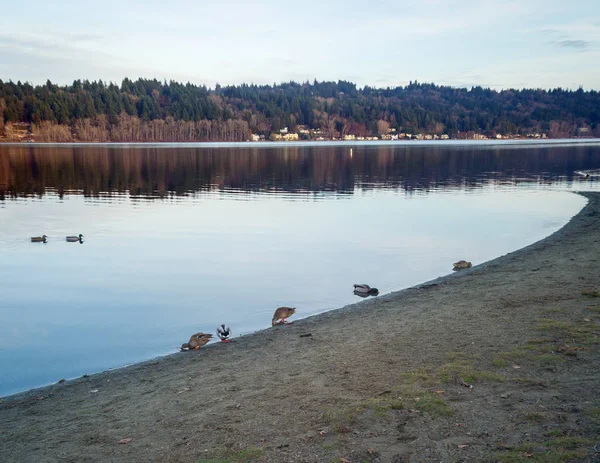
x: 69, y: 239
x: 197, y: 340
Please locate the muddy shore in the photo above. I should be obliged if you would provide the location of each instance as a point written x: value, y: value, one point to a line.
x: 499, y: 362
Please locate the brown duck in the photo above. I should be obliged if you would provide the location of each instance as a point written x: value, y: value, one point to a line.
x: 197, y: 340
x: 461, y: 264
x: 281, y: 314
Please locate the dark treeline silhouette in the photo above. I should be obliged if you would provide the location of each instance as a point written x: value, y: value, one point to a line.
x: 150, y: 110
x: 162, y: 172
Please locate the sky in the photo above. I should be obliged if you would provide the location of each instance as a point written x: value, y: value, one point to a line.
x: 496, y: 44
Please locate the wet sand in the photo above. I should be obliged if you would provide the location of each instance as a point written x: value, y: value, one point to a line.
x: 499, y: 362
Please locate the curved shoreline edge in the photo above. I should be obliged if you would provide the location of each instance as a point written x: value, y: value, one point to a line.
x: 317, y: 318
x: 273, y: 389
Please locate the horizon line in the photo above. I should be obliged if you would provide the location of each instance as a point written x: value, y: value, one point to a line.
x: 300, y: 83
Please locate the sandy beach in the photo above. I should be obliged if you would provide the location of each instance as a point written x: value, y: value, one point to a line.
x: 499, y: 362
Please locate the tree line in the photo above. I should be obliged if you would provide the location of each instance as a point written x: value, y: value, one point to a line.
x: 151, y: 110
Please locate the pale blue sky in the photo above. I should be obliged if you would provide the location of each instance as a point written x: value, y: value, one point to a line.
x: 526, y: 43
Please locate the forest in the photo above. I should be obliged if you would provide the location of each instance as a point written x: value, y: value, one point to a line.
x: 147, y: 110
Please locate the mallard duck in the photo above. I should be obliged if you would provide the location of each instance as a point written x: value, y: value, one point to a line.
x: 281, y: 314
x: 197, y: 340
x: 73, y: 239
x: 223, y: 331
x: 39, y: 239
x: 365, y: 290
x: 461, y: 264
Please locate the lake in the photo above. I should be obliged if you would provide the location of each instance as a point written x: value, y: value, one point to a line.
x: 180, y: 238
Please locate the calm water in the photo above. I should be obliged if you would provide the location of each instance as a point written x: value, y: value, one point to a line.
x: 178, y: 239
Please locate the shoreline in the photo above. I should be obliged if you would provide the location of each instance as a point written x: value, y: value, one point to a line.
x: 299, y: 143
x: 271, y: 393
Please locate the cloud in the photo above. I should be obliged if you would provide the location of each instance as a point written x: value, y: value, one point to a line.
x: 72, y: 46
x: 576, y: 35
x: 576, y: 44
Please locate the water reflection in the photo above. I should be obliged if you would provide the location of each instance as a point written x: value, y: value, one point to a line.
x: 158, y: 172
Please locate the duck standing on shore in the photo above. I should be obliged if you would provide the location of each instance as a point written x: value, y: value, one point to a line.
x: 363, y: 290
x: 281, y: 314
x: 223, y: 331
x: 197, y: 340
x: 39, y: 239
x: 74, y: 239
x: 461, y: 264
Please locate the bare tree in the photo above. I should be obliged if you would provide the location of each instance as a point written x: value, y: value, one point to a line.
x: 383, y: 127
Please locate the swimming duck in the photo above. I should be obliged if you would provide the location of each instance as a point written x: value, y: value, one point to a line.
x: 39, y: 239
x: 223, y: 331
x: 365, y: 290
x: 281, y: 314
x: 197, y: 340
x: 73, y: 239
x: 461, y: 264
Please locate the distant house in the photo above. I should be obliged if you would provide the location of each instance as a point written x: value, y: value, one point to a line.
x: 290, y: 137
x: 583, y: 132
x: 255, y: 137
x: 283, y: 131
x: 349, y: 137
x: 444, y: 136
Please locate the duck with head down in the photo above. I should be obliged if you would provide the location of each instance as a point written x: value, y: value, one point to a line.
x: 223, y: 331
x: 461, y: 265
x: 197, y: 340
x: 281, y: 314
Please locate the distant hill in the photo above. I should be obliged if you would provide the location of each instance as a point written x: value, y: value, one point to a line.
x: 150, y: 110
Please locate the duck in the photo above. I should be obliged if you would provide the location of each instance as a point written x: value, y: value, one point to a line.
x: 461, y: 264
x: 364, y: 290
x: 73, y: 239
x: 39, y: 239
x: 223, y: 331
x: 197, y: 340
x: 281, y: 314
